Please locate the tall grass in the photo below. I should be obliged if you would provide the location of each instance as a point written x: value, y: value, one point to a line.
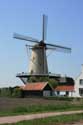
x: 47, y: 108
x: 41, y: 108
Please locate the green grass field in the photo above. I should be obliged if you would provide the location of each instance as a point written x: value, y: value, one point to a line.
x: 39, y: 109
x: 58, y: 120
x: 18, y: 106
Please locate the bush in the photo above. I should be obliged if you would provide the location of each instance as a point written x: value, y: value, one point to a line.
x: 63, y: 98
x: 20, y: 110
x: 16, y: 92
x: 10, y: 92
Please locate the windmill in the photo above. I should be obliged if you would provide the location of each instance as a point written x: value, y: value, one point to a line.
x: 38, y: 61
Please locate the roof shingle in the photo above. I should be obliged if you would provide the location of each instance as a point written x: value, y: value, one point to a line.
x: 64, y: 88
x: 35, y: 86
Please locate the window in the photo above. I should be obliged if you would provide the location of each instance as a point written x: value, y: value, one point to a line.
x: 67, y: 93
x: 81, y: 91
x: 81, y: 81
x: 58, y: 92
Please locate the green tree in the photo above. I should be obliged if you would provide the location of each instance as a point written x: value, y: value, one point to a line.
x: 53, y: 82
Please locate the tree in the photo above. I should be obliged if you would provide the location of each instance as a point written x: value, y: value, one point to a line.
x: 52, y: 81
x: 16, y: 92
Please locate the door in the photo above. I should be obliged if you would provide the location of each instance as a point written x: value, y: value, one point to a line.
x: 46, y: 93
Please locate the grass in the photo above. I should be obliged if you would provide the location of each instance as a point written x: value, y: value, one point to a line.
x: 53, y: 120
x: 18, y: 106
x: 40, y: 108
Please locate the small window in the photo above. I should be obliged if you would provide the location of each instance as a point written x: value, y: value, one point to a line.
x: 58, y: 92
x: 67, y: 93
x: 31, y: 71
x: 81, y: 91
x: 81, y: 81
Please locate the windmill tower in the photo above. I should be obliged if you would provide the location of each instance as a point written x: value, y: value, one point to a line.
x: 38, y: 62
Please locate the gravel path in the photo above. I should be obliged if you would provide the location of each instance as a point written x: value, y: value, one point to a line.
x: 14, y: 119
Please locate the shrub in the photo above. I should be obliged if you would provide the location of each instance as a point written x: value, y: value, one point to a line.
x: 63, y: 98
x: 16, y: 92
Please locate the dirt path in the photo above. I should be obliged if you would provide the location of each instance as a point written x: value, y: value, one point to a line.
x: 78, y: 124
x: 14, y: 119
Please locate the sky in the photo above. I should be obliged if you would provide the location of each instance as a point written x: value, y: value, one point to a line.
x: 65, y: 28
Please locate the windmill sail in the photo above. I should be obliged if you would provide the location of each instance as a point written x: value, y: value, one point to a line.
x: 44, y: 28
x: 58, y: 48
x: 26, y: 38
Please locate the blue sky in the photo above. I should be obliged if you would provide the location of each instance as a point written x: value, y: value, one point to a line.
x: 65, y: 27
